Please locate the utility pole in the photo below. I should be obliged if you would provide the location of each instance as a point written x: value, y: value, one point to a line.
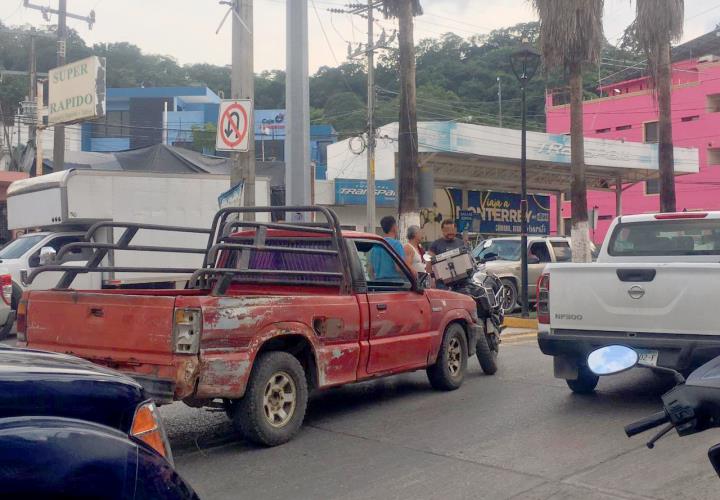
x: 59, y: 130
x: 32, y: 130
x: 369, y: 51
x: 63, y: 14
x: 371, y: 198
x: 243, y: 87
x: 297, y: 96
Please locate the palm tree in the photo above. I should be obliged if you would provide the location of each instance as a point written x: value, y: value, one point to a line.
x: 571, y: 34
x: 405, y: 11
x: 659, y: 23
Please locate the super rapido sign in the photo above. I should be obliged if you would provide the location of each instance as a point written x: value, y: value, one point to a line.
x: 77, y: 91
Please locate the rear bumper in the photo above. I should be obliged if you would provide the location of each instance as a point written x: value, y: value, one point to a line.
x: 677, y: 351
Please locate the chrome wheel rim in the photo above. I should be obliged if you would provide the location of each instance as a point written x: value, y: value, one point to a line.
x: 508, y: 298
x: 454, y: 357
x: 279, y: 399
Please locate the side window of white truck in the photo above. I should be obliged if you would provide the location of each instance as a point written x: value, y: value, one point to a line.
x: 75, y: 255
x: 562, y: 251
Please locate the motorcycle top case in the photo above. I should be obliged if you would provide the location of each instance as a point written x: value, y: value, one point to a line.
x: 453, y: 266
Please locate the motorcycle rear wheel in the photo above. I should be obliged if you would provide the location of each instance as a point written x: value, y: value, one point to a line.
x: 487, y: 353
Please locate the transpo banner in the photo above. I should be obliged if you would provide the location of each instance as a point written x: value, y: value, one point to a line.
x: 492, y: 212
x: 354, y: 192
x: 76, y: 91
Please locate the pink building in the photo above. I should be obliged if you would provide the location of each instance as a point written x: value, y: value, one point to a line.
x: 630, y: 113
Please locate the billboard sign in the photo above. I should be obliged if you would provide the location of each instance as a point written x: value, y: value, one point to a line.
x: 499, y: 213
x: 77, y: 91
x: 354, y: 192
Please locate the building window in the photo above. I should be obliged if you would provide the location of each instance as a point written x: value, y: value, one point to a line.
x: 651, y: 132
x: 113, y: 124
x: 623, y: 127
x: 652, y: 186
x: 713, y: 156
x: 690, y: 118
x: 603, y: 130
x: 713, y: 103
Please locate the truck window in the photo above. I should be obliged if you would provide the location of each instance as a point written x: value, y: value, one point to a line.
x: 276, y: 260
x: 75, y: 255
x: 382, y: 270
x: 562, y: 251
x: 666, y: 237
x: 540, y: 250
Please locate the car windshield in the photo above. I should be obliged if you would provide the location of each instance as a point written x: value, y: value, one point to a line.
x: 17, y: 248
x: 498, y: 249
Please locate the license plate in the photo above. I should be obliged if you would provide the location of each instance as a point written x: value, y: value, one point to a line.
x: 647, y: 357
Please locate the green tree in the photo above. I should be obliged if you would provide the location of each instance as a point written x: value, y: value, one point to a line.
x: 204, y: 138
x: 347, y: 113
x: 658, y: 24
x: 571, y: 35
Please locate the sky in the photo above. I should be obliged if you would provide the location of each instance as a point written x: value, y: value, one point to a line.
x: 185, y: 29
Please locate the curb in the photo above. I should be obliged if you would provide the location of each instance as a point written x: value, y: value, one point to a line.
x: 513, y: 322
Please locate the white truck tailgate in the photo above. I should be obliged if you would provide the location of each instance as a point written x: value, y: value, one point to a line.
x: 679, y: 298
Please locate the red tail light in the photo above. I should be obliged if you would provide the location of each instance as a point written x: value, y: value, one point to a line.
x: 6, y: 287
x: 681, y: 215
x: 22, y: 321
x: 543, y: 299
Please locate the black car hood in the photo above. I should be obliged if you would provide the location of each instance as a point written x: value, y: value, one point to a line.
x: 38, y: 383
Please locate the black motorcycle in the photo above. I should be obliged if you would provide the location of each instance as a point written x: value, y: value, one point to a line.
x: 457, y: 271
x: 692, y: 406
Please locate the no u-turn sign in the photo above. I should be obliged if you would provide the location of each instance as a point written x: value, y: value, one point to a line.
x: 234, y: 126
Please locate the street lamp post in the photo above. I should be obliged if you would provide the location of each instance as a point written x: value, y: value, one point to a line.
x: 524, y: 62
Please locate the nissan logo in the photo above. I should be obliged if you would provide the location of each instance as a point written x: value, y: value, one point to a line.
x: 636, y: 292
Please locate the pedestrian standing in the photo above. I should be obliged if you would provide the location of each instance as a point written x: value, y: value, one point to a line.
x: 414, y: 249
x: 383, y: 265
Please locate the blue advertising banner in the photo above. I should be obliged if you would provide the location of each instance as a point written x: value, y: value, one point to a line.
x: 354, y: 192
x: 499, y: 213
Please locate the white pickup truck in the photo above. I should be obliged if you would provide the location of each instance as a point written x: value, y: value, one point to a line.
x: 654, y: 287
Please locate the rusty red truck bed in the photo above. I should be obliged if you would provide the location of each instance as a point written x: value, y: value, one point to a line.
x: 277, y: 310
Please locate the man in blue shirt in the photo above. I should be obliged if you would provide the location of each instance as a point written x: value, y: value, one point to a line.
x: 383, y: 265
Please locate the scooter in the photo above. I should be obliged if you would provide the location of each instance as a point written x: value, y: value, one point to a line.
x: 459, y: 272
x: 692, y: 406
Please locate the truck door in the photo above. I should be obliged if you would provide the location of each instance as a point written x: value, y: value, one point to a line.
x: 400, y: 331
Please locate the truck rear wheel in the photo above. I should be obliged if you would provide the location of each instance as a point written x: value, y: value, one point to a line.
x: 585, y: 383
x: 273, y: 408
x: 448, y: 372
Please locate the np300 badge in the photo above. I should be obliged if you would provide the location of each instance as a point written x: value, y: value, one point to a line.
x: 571, y: 317
x: 636, y: 292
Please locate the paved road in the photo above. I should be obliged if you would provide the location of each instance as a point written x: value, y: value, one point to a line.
x: 520, y: 434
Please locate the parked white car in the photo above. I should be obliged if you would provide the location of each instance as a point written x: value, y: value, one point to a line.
x: 653, y: 288
x: 501, y: 256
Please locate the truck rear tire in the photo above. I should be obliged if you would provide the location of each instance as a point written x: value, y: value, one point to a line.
x: 273, y: 408
x: 448, y: 372
x: 585, y: 383
x: 487, y: 354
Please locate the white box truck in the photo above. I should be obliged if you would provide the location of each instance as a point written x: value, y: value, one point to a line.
x: 56, y: 209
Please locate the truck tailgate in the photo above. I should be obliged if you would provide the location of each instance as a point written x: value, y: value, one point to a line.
x: 114, y: 329
x: 679, y: 298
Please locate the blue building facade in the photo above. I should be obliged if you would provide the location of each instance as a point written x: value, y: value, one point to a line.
x: 135, y: 118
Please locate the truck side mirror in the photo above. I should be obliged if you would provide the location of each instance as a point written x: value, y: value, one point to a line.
x: 533, y: 259
x: 47, y: 255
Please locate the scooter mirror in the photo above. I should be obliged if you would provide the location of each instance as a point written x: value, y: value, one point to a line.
x: 612, y: 359
x: 427, y: 257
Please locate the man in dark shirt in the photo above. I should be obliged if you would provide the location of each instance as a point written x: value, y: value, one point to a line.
x: 449, y: 241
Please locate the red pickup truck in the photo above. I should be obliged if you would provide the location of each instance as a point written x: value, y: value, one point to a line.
x: 277, y: 310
